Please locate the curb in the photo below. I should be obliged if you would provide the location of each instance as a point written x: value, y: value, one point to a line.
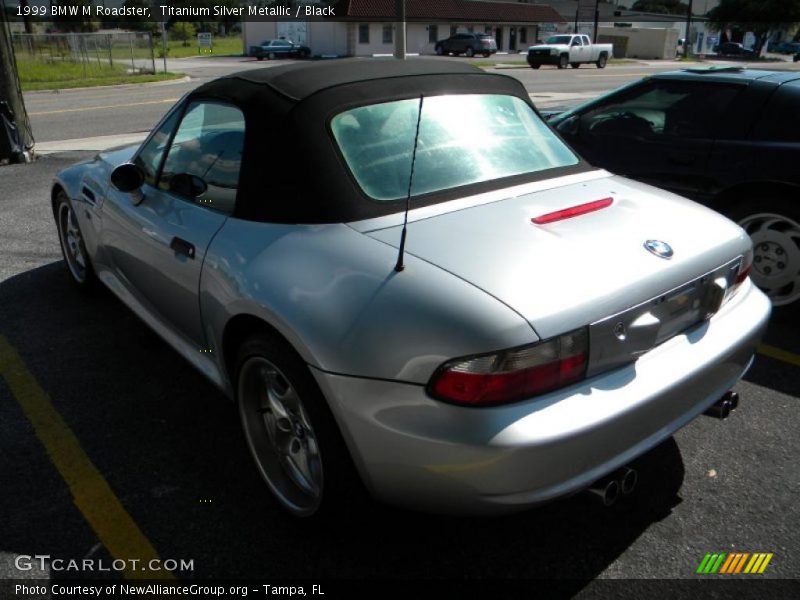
x: 184, y: 79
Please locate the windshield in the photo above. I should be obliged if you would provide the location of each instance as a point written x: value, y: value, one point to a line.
x: 559, y: 39
x: 463, y: 139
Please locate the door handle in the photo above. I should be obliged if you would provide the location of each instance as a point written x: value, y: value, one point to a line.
x: 183, y: 247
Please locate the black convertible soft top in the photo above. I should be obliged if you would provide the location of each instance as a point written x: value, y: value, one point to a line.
x: 292, y: 170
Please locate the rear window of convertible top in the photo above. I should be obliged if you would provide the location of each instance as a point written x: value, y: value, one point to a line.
x: 463, y: 139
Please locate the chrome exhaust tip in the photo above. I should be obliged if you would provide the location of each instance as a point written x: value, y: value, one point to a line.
x: 606, y: 490
x: 627, y: 478
x: 723, y: 407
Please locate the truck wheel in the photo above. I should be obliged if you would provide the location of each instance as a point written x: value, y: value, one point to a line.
x: 601, y: 62
x: 535, y: 66
x: 469, y: 53
x: 563, y: 61
x: 575, y: 65
x: 259, y: 58
x: 439, y: 51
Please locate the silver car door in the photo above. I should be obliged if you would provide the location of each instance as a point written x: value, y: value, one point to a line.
x: 158, y: 236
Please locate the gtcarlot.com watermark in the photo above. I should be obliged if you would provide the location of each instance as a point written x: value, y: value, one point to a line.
x: 45, y: 562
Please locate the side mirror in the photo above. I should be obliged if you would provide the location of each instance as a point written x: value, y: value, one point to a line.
x: 569, y: 127
x: 127, y: 177
x: 186, y: 185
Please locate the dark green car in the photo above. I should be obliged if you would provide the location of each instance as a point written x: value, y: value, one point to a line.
x: 273, y: 49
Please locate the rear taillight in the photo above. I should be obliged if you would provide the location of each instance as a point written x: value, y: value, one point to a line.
x: 515, y: 374
x: 741, y: 275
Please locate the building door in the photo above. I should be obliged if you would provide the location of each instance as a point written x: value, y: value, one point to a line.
x: 498, y: 36
x: 512, y: 39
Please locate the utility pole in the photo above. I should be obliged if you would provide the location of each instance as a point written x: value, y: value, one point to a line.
x: 686, y: 42
x: 400, y: 30
x: 16, y: 139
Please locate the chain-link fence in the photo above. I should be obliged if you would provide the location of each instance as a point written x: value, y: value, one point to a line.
x: 63, y: 56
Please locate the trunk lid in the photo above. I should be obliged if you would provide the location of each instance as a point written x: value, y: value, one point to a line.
x: 573, y: 272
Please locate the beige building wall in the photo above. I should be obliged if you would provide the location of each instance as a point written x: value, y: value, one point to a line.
x: 642, y: 42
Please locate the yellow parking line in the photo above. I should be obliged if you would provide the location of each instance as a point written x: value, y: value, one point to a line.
x: 91, y: 493
x: 85, y: 108
x: 778, y: 354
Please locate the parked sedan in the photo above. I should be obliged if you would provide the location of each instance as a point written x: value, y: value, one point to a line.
x: 788, y: 47
x: 273, y: 49
x: 729, y: 138
x: 443, y: 303
x: 468, y: 44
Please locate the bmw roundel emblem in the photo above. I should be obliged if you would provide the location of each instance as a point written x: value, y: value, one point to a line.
x: 659, y: 248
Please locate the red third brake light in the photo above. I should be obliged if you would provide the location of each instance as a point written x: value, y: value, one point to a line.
x: 572, y: 211
x: 515, y: 374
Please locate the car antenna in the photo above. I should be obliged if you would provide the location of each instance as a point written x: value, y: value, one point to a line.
x: 400, y: 266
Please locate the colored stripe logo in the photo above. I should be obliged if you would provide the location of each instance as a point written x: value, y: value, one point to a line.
x: 734, y: 563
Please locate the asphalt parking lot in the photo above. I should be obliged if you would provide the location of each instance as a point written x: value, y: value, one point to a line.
x: 111, y: 447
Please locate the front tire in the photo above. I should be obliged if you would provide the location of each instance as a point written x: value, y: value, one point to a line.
x: 535, y: 66
x: 439, y: 51
x: 290, y: 431
x: 774, y: 227
x: 73, y: 248
x: 575, y: 65
x: 469, y: 53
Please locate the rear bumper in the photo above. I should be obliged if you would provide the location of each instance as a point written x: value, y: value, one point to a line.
x: 415, y: 451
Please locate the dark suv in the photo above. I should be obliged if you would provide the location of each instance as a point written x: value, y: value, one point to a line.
x: 729, y: 138
x: 468, y: 44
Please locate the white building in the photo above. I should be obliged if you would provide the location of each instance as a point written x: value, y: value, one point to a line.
x: 368, y: 27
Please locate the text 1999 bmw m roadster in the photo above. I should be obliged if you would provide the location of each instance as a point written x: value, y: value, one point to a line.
x: 542, y: 323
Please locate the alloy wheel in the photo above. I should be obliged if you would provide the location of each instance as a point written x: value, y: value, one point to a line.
x: 776, y: 255
x: 281, y: 436
x: 72, y: 242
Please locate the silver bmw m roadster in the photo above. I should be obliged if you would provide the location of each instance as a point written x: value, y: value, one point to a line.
x: 408, y: 283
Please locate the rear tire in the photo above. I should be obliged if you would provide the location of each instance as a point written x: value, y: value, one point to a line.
x: 563, y: 61
x: 272, y: 56
x: 291, y: 433
x: 601, y: 62
x: 536, y: 66
x: 259, y: 58
x: 575, y: 65
x: 469, y: 53
x: 439, y: 51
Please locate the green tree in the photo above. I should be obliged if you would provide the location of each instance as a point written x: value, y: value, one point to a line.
x: 758, y: 16
x: 183, y: 31
x: 670, y: 7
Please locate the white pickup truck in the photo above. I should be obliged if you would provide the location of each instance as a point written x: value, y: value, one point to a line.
x: 569, y: 49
